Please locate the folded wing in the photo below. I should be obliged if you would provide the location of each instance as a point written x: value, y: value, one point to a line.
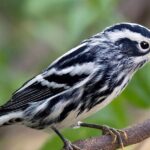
x: 65, y: 73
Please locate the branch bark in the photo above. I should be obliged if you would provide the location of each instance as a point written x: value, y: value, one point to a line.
x: 136, y: 134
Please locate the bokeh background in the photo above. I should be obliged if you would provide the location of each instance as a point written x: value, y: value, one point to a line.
x: 33, y: 33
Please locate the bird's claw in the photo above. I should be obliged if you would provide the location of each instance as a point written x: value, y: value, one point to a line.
x: 69, y: 146
x: 115, y: 133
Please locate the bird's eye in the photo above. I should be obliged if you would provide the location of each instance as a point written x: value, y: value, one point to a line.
x: 144, y: 45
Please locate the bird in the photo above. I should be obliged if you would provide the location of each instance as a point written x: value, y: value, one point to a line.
x: 81, y: 82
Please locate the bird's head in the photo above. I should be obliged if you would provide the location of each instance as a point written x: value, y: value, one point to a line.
x: 132, y: 40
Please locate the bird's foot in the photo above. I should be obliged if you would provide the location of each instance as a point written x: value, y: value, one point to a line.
x: 115, y: 133
x: 69, y: 146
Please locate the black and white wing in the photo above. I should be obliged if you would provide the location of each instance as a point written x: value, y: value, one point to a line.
x: 66, y: 72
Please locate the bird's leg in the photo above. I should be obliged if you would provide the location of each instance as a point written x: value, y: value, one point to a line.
x: 115, y: 133
x: 67, y: 144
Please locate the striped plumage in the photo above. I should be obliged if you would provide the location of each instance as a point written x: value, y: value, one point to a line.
x: 82, y: 81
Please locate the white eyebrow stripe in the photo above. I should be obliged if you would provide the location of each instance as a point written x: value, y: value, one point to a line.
x: 116, y: 34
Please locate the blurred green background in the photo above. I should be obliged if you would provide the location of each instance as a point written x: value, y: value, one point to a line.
x: 33, y: 33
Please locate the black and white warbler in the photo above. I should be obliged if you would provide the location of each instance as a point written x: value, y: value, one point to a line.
x: 81, y: 82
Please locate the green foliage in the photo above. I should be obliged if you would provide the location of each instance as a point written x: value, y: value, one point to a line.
x: 60, y: 25
x: 138, y: 91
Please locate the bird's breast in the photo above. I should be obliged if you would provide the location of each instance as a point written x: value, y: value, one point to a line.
x: 73, y: 116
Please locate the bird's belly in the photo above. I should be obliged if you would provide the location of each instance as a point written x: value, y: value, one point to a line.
x: 73, y: 117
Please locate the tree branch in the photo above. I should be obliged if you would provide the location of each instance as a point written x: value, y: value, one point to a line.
x: 136, y: 134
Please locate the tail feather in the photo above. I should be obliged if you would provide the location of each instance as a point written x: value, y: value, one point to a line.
x: 9, y: 117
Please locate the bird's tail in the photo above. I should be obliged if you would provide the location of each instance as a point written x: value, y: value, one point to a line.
x: 8, y: 117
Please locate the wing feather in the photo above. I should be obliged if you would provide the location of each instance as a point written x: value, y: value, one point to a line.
x: 64, y: 73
